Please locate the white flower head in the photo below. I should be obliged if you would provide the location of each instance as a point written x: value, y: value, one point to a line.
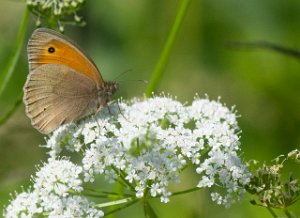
x: 56, y: 11
x: 50, y: 194
x: 145, y: 144
x: 58, y: 177
x: 26, y: 204
x: 58, y: 7
x: 148, y: 142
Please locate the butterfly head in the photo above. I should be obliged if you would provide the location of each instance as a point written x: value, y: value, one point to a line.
x: 105, y: 92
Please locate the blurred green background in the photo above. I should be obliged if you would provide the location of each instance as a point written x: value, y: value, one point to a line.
x: 122, y: 35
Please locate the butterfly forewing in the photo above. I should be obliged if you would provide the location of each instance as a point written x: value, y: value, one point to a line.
x: 47, y: 46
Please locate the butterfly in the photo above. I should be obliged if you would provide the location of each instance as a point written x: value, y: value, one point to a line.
x: 63, y: 84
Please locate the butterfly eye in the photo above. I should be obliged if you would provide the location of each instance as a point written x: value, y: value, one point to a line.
x: 51, y: 50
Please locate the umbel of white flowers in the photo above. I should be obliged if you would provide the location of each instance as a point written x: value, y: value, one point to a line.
x: 56, y: 12
x: 57, y: 7
x: 147, y: 142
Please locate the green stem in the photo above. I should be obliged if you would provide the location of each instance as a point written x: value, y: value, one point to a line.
x: 6, y: 116
x: 117, y: 202
x: 121, y: 174
x: 110, y: 194
x: 165, y: 54
x: 148, y: 211
x: 272, y: 212
x: 287, y: 213
x: 177, y: 193
x: 122, y: 207
x: 13, y: 60
x: 95, y: 195
x: 186, y: 191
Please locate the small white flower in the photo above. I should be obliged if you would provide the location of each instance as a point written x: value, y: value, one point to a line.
x: 216, y: 197
x: 165, y: 198
x: 155, y: 190
x: 206, y: 182
x: 139, y: 191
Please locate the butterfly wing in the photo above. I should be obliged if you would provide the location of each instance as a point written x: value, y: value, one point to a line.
x: 49, y: 47
x: 55, y: 94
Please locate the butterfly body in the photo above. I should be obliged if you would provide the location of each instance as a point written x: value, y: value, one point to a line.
x: 64, y: 84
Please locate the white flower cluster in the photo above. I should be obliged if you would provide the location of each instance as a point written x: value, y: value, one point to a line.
x: 58, y: 7
x: 50, y: 194
x: 149, y: 142
x: 144, y: 144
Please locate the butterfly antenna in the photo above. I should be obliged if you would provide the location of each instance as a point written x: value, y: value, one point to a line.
x: 126, y: 71
x: 122, y: 74
x: 138, y: 80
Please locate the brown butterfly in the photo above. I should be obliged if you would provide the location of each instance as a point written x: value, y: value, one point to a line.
x: 63, y: 84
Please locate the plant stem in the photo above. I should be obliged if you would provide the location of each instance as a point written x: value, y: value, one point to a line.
x: 287, y: 213
x: 121, y: 174
x: 6, y: 116
x: 110, y: 194
x: 117, y: 202
x: 13, y: 60
x: 186, y: 191
x: 122, y: 207
x: 148, y: 211
x: 266, y: 45
x: 272, y: 212
x: 165, y: 54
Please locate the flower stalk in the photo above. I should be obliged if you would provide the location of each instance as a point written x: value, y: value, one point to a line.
x: 161, y: 64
